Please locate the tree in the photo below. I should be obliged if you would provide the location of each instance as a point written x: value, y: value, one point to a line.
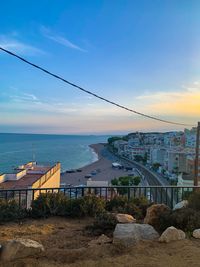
x: 125, y: 181
x: 145, y: 158
x: 137, y: 180
x: 138, y: 158
x: 156, y: 166
x: 113, y: 139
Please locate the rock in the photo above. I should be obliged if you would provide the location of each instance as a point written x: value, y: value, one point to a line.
x: 153, y: 214
x: 180, y: 205
x: 196, y: 233
x: 124, y: 218
x: 103, y: 239
x: 172, y: 234
x: 130, y: 234
x: 20, y: 248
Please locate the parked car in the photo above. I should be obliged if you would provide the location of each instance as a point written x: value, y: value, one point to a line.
x: 88, y: 176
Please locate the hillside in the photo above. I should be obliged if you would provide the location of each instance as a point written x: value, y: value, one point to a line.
x: 66, y: 244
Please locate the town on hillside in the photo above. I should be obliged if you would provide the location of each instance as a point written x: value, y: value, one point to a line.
x: 170, y: 154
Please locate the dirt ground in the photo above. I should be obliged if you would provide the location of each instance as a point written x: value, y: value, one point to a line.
x: 66, y: 244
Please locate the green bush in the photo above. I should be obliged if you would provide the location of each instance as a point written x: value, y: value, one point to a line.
x: 85, y: 206
x: 194, y: 200
x: 139, y: 207
x: 57, y: 204
x: 104, y: 223
x: 186, y: 219
x: 49, y: 204
x: 135, y: 206
x: 116, y: 204
x: 73, y: 208
x: 92, y: 205
x: 10, y: 211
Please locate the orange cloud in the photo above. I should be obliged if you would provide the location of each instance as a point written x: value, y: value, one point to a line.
x: 185, y: 103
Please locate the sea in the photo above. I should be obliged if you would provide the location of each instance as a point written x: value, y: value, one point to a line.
x: 72, y: 151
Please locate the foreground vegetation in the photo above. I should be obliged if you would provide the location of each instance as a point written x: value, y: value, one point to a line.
x: 57, y: 204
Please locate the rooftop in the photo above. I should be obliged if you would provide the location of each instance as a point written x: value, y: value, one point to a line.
x: 24, y: 176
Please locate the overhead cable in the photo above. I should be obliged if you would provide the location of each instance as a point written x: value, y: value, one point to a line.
x: 91, y: 93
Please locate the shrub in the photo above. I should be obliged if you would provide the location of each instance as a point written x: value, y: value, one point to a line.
x: 86, y: 206
x: 49, y: 204
x: 185, y: 219
x: 10, y: 211
x: 135, y: 206
x: 194, y: 200
x: 104, y: 223
x: 163, y: 221
x: 73, y: 208
x: 92, y: 205
x: 116, y: 204
x: 142, y: 204
x: 58, y: 204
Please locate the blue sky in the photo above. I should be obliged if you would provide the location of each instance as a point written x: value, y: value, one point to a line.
x: 144, y: 54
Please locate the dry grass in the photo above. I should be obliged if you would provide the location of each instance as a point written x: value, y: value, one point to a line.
x: 66, y: 244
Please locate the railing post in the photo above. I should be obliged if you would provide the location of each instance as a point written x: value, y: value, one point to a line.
x: 33, y: 194
x: 156, y: 195
x: 172, y: 198
x: 128, y: 193
x: 161, y: 195
x: 82, y: 193
x: 19, y: 198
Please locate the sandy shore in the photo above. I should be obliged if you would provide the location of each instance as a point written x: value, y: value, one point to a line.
x: 103, y: 167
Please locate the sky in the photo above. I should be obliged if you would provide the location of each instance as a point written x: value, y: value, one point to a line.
x: 143, y: 54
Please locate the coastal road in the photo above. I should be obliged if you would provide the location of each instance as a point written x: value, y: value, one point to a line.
x: 104, y: 172
x: 151, y: 179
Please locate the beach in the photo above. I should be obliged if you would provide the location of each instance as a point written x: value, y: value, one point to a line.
x: 102, y: 169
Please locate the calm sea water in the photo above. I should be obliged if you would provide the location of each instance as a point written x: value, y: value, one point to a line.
x: 71, y: 150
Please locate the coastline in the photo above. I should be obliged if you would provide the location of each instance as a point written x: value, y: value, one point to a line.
x: 102, y: 167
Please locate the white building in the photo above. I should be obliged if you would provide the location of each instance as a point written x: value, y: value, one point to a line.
x: 136, y: 151
x: 185, y: 180
x: 175, y: 161
x: 158, y: 155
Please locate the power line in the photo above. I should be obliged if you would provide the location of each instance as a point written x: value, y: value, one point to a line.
x: 91, y: 93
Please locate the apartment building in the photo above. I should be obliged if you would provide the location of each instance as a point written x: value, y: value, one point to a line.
x: 30, y: 176
x: 158, y: 155
x: 175, y: 161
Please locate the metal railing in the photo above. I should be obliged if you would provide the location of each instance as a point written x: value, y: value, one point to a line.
x: 169, y: 195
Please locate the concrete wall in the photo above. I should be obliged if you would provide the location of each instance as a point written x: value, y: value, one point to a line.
x: 2, y: 178
x: 52, y: 181
x: 15, y: 176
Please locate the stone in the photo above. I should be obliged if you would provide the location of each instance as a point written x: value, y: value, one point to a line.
x: 172, y: 234
x: 153, y: 214
x: 20, y: 248
x: 196, y: 233
x: 130, y: 233
x: 102, y: 239
x: 180, y: 205
x: 124, y: 218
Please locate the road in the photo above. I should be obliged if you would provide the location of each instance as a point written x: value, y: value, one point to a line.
x: 160, y: 195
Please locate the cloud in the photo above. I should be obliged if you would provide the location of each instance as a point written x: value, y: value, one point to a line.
x: 59, y: 39
x: 177, y: 103
x: 20, y: 101
x: 24, y: 97
x: 11, y: 43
